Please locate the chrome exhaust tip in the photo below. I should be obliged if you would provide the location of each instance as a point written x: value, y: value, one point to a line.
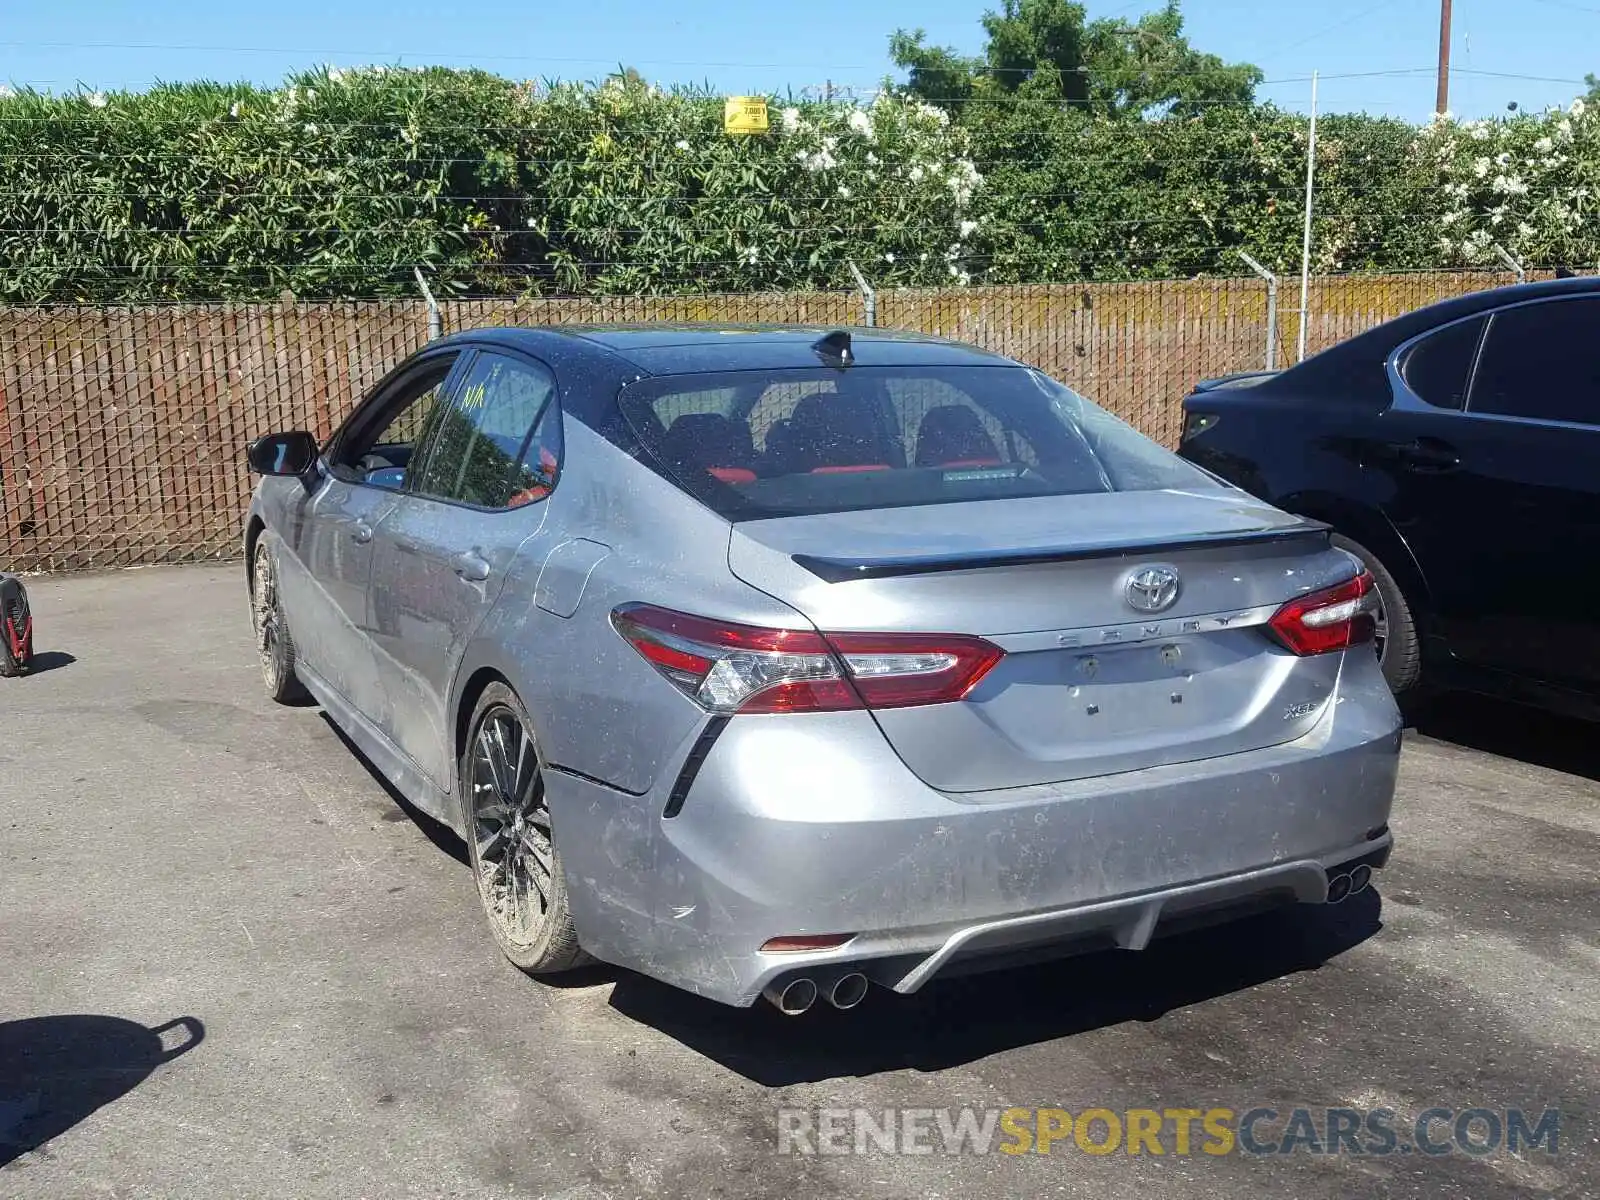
x: 1360, y: 878
x: 848, y: 990
x: 1338, y: 887
x: 794, y: 997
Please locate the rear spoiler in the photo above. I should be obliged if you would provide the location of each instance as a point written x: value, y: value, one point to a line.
x: 1234, y: 380
x: 838, y: 570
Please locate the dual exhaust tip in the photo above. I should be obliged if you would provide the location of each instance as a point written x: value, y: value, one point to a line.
x: 794, y: 996
x: 1342, y: 885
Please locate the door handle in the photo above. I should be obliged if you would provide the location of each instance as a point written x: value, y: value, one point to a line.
x: 361, y: 532
x: 1429, y: 456
x: 471, y: 567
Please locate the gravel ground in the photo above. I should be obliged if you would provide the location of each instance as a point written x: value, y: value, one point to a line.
x: 234, y: 966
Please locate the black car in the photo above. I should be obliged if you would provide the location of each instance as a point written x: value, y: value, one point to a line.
x: 1456, y: 450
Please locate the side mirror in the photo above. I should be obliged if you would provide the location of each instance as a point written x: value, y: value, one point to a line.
x: 290, y: 453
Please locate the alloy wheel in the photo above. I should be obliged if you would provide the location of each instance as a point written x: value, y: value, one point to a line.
x: 264, y: 609
x: 514, y: 851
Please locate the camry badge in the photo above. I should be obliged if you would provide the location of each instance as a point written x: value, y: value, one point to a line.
x: 1152, y: 589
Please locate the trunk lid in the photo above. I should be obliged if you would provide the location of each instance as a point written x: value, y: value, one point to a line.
x: 1090, y: 685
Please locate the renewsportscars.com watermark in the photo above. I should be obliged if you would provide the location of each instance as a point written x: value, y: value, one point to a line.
x: 1180, y: 1132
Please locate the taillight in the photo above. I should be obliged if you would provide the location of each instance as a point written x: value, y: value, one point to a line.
x: 1335, y: 618
x: 726, y: 667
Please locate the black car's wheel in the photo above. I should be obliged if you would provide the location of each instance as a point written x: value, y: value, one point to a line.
x: 510, y: 840
x: 1399, y: 650
x: 274, y: 643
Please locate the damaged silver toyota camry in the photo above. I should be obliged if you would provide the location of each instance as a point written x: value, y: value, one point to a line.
x: 793, y: 662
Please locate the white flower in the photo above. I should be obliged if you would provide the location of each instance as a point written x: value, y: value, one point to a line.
x: 1564, y: 130
x: 96, y: 99
x: 335, y: 74
x: 7, y: 91
x: 830, y: 144
x: 233, y: 109
x: 889, y: 257
x: 680, y: 144
x: 872, y: 159
x: 1544, y: 145
x: 916, y: 174
x: 933, y: 112
x: 1450, y: 218
x: 1578, y: 107
x: 820, y: 161
x: 1480, y: 167
x: 311, y: 129
x: 861, y: 123
x: 968, y: 228
x: 531, y: 222
x: 1503, y: 159
x: 1480, y: 132
x: 790, y: 118
x: 751, y: 255
x: 844, y: 192
x: 1510, y: 185
x: 1524, y: 229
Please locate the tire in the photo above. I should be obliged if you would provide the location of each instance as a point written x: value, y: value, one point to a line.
x: 1400, y: 650
x: 274, y: 642
x: 515, y: 863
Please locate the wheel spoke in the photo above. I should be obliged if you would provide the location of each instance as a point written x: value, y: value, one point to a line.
x: 496, y: 778
x: 490, y: 842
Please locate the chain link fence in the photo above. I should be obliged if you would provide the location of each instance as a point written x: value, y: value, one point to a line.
x: 122, y: 430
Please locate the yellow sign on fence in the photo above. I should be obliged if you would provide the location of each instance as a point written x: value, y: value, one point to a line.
x: 744, y: 114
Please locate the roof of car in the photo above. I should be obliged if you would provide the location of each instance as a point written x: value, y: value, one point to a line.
x: 679, y: 349
x: 1356, y: 365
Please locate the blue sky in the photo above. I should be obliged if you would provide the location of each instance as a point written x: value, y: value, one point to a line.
x: 113, y: 43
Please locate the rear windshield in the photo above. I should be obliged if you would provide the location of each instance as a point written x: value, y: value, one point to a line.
x: 756, y: 444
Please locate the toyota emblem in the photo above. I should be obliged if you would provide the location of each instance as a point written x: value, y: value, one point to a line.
x: 1152, y: 589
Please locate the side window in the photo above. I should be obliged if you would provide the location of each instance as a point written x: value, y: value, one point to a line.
x: 1436, y: 369
x: 381, y: 450
x: 497, y: 443
x: 1542, y: 361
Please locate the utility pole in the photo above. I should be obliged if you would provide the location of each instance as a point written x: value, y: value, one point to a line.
x: 1442, y: 103
x: 1311, y: 202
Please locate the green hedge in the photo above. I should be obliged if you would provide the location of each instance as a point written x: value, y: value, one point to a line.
x: 337, y: 183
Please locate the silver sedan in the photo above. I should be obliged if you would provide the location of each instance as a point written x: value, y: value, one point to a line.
x: 789, y: 662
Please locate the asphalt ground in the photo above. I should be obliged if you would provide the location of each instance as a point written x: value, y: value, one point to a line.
x: 232, y: 965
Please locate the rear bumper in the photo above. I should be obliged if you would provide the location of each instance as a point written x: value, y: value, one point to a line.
x: 811, y: 824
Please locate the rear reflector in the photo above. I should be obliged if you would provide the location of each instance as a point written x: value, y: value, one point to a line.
x: 1334, y: 618
x: 728, y: 668
x: 805, y: 941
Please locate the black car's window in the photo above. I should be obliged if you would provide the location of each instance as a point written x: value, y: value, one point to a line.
x: 378, y: 448
x: 497, y: 443
x: 1542, y: 361
x: 1437, y: 367
x: 818, y: 439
